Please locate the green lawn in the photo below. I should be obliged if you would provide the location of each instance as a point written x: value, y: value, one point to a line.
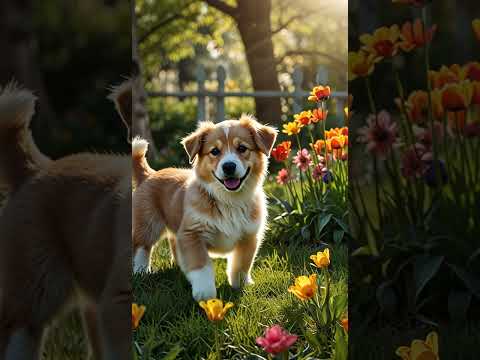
x: 174, y: 321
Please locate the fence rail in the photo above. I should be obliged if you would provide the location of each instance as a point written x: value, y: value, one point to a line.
x: 298, y: 94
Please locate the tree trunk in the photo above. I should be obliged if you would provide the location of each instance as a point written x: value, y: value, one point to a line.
x: 253, y: 22
x: 19, y: 59
x: 141, y: 122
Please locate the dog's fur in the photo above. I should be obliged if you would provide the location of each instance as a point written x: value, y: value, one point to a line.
x: 205, y: 218
x: 64, y: 239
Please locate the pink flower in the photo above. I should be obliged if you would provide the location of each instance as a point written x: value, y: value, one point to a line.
x: 319, y: 171
x: 283, y: 177
x: 303, y: 160
x: 276, y: 340
x: 414, y: 161
x: 425, y: 135
x: 380, y: 134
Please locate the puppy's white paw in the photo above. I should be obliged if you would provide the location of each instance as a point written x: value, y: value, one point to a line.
x: 141, y: 261
x: 203, y: 283
x: 240, y: 279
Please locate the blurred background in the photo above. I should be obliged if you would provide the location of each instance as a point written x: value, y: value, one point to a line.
x: 259, y: 44
x: 69, y: 53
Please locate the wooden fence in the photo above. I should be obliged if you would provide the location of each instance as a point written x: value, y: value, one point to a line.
x: 298, y: 94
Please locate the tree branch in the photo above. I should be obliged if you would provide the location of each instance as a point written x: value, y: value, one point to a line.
x: 312, y: 53
x: 223, y: 7
x: 158, y: 26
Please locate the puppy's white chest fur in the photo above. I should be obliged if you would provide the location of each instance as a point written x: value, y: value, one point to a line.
x: 233, y: 221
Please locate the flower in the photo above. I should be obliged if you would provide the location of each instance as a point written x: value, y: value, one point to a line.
x: 476, y: 28
x: 344, y: 323
x: 472, y: 130
x: 214, y: 309
x: 327, y: 177
x: 457, y: 96
x: 417, y: 106
x: 413, y: 164
x: 281, y: 152
x: 137, y: 314
x: 476, y: 93
x: 305, y: 287
x: 382, y: 43
x: 318, y: 171
x: 319, y: 145
x: 320, y: 93
x: 421, y: 350
x: 303, y: 118
x: 472, y: 71
x: 446, y: 75
x: 360, y: 64
x: 321, y: 259
x: 416, y: 3
x: 380, y: 134
x: 276, y: 340
x: 339, y: 141
x: 415, y: 36
x: 425, y: 135
x: 435, y: 171
x: 291, y: 128
x: 283, y: 177
x: 303, y: 159
x: 319, y: 115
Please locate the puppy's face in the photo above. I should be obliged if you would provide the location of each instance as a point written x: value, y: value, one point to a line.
x: 231, y: 153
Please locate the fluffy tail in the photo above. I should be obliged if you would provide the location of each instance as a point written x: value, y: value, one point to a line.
x: 140, y: 168
x: 121, y: 95
x: 20, y: 158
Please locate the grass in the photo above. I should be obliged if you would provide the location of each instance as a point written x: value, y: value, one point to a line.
x: 174, y: 322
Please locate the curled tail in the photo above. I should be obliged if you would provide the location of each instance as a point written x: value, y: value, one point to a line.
x: 140, y: 168
x: 20, y: 158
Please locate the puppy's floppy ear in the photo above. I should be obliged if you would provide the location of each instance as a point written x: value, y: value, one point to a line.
x: 263, y: 135
x: 193, y: 142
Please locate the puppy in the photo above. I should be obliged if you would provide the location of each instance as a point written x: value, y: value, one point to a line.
x: 64, y: 240
x: 216, y: 209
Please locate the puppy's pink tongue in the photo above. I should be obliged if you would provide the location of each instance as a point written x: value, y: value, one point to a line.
x: 231, y: 183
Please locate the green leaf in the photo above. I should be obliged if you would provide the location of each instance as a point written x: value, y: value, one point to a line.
x: 322, y: 222
x: 339, y: 305
x: 341, y: 343
x: 424, y: 269
x: 338, y: 236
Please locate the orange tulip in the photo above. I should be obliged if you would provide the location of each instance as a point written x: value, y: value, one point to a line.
x: 344, y: 323
x: 303, y: 118
x: 137, y: 314
x: 457, y: 96
x: 421, y: 350
x: 338, y: 142
x: 215, y: 309
x: 320, y: 93
x: 417, y: 106
x: 305, y: 287
x: 319, y: 115
x: 446, y: 75
x: 415, y: 36
x: 321, y: 259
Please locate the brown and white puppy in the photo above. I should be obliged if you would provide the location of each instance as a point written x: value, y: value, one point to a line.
x: 64, y: 240
x: 216, y: 209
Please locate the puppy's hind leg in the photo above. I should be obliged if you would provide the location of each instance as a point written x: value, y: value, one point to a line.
x: 146, y: 231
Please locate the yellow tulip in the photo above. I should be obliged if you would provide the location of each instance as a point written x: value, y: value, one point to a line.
x: 322, y: 259
x: 421, y: 350
x: 360, y: 64
x: 305, y: 287
x: 382, y: 43
x: 137, y: 314
x: 292, y: 128
x: 215, y: 309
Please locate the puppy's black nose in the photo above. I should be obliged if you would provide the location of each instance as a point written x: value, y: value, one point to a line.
x: 229, y: 168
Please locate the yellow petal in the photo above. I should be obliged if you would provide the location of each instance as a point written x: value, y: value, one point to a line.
x: 432, y: 341
x: 403, y: 352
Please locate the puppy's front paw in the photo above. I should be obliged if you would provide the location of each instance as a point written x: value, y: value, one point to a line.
x: 240, y: 279
x: 203, y: 283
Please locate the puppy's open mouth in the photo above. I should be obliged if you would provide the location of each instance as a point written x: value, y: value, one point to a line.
x: 232, y: 183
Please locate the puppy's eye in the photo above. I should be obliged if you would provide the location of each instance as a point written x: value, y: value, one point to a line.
x: 241, y: 149
x: 215, y: 152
